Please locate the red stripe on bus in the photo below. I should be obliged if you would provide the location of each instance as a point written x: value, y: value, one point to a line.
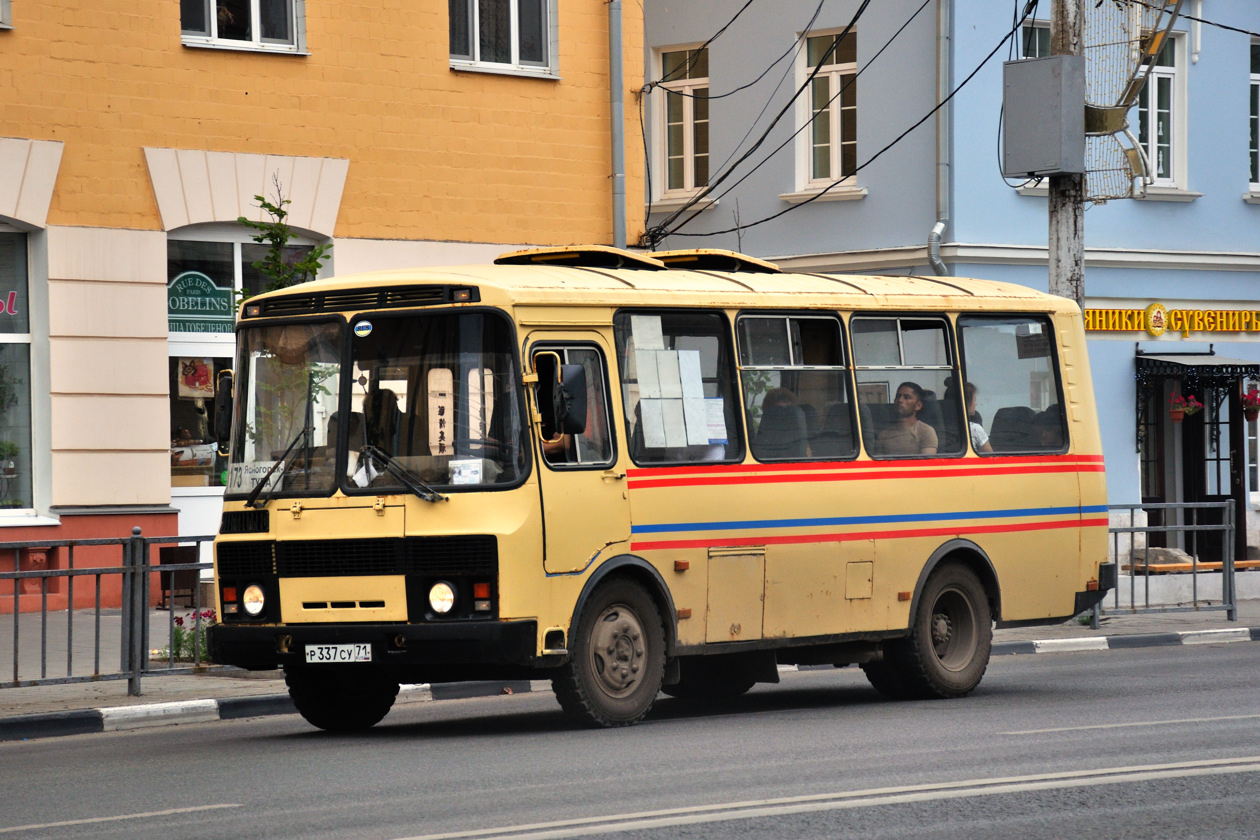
x: 705, y: 480
x: 796, y: 539
x: 715, y: 469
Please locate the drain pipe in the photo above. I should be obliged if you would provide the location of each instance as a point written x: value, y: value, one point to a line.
x: 618, y: 116
x: 934, y: 250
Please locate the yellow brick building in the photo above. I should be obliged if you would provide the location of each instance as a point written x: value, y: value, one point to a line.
x: 133, y: 135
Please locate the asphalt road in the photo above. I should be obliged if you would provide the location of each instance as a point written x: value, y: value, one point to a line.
x: 1147, y: 743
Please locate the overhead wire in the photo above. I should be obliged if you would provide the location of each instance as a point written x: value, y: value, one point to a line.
x: 851, y: 81
x: 1029, y: 6
x: 652, y: 236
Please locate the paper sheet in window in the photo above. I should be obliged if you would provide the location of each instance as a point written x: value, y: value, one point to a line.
x: 647, y: 332
x: 675, y: 423
x: 649, y: 380
x: 689, y: 374
x: 652, y: 417
x: 717, y: 420
x: 667, y: 374
x: 696, y: 416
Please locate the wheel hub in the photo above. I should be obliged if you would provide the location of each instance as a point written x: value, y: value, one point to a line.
x: 942, y: 630
x: 617, y: 650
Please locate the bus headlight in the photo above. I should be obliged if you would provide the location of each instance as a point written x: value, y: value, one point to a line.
x: 253, y: 600
x: 442, y: 597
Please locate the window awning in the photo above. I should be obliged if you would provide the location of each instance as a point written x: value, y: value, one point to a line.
x: 1206, y: 368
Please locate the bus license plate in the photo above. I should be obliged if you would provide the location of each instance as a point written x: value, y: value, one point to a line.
x: 360, y: 652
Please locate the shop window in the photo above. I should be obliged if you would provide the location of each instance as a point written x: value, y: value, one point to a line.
x: 205, y: 280
x: 15, y: 374
x: 677, y: 383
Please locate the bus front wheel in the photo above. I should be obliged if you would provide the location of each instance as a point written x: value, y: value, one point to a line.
x: 618, y: 658
x: 340, y: 700
x: 950, y: 640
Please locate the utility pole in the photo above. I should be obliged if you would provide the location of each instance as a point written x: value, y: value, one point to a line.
x: 1067, y: 192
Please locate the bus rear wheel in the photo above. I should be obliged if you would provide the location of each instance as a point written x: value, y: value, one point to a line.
x: 618, y: 658
x: 950, y: 641
x: 341, y: 700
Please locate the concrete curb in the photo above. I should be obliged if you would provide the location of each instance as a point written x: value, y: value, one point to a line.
x: 122, y: 718
x: 1185, y: 637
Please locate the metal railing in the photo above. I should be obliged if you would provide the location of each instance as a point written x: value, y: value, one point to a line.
x: 61, y: 620
x: 1186, y: 527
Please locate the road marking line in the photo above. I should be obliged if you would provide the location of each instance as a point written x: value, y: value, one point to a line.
x: 1070, y: 645
x: 844, y: 800
x: 1129, y: 723
x: 93, y: 820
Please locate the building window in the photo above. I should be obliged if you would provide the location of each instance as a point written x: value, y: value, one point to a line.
x: 1034, y: 40
x: 831, y: 141
x: 1160, y: 112
x: 1254, y: 120
x: 243, y: 24
x: 6, y: 15
x: 15, y: 375
x: 502, y: 34
x: 203, y: 280
x: 685, y: 80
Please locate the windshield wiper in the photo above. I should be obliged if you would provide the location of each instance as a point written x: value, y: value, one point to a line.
x: 408, y: 480
x: 262, y: 482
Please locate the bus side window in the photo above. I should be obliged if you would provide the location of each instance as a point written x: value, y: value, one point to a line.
x: 795, y: 387
x: 1011, y: 361
x: 678, y: 386
x: 906, y: 399
x: 593, y: 447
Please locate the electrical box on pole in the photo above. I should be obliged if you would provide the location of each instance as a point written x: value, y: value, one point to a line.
x: 1043, y: 116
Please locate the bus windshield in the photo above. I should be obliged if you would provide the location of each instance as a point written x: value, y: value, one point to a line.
x: 288, y: 382
x: 429, y: 400
x: 435, y: 395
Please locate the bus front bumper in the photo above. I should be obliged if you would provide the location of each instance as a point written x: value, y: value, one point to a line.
x: 445, y: 645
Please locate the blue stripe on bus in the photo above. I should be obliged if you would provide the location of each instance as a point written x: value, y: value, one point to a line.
x: 751, y: 524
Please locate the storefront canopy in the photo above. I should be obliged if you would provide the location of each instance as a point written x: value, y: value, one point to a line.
x: 1205, y: 369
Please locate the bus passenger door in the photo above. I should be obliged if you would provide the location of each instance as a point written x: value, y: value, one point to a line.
x: 585, y: 511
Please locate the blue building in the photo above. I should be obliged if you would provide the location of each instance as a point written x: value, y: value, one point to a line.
x: 853, y: 174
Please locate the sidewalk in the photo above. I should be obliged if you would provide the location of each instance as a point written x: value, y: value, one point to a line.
x: 44, y: 711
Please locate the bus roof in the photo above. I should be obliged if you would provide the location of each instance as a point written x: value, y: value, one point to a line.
x: 603, y: 276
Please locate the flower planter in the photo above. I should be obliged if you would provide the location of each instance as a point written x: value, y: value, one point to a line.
x: 1176, y: 415
x: 1251, y: 414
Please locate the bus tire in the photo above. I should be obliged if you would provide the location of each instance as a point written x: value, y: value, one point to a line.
x: 885, y: 677
x: 618, y: 658
x: 951, y: 638
x: 338, y: 700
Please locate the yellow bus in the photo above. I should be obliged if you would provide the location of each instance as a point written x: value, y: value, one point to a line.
x: 635, y: 473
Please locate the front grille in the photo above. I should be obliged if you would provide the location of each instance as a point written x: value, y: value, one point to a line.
x: 245, y: 559
x: 429, y: 556
x: 245, y: 522
x: 357, y: 299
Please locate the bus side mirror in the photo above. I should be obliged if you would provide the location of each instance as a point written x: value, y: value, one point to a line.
x: 223, y: 386
x: 561, y: 395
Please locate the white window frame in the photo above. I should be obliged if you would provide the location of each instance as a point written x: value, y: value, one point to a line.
x: 1040, y: 27
x: 547, y: 68
x: 1253, y: 121
x: 844, y: 187
x: 210, y: 39
x: 36, y: 340
x: 689, y: 88
x: 6, y: 15
x: 1175, y: 77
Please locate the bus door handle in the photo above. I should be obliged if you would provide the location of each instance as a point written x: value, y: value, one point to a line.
x: 613, y: 475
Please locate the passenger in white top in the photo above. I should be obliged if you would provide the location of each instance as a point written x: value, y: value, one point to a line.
x: 979, y: 437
